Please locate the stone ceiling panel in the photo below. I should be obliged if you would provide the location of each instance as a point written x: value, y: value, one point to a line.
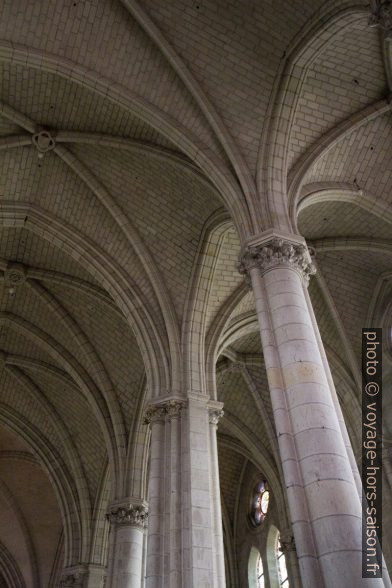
x: 9, y: 441
x: 248, y: 343
x: 51, y: 185
x: 25, y: 303
x: 245, y: 306
x: 59, y: 104
x: 23, y: 246
x: 16, y: 396
x: 234, y: 51
x: 102, y: 37
x: 226, y: 276
x: 362, y: 159
x: 9, y: 128
x: 238, y: 402
x: 17, y: 343
x: 230, y: 468
x: 114, y: 343
x: 78, y: 417
x: 341, y: 219
x: 346, y: 77
x: 167, y: 203
x: 352, y: 277
x: 28, y: 484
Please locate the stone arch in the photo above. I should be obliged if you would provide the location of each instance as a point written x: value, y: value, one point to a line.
x: 200, y: 153
x: 6, y: 556
x: 193, y: 330
x: 100, y: 530
x: 68, y: 445
x: 60, y: 478
x: 135, y: 483
x: 215, y: 332
x: 325, y: 192
x: 254, y: 555
x: 9, y: 569
x: 324, y: 144
x: 272, y: 172
x: 206, y: 105
x: 249, y: 449
x: 78, y: 373
x: 270, y: 555
x: 108, y: 273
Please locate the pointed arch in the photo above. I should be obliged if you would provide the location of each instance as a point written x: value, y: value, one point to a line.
x: 59, y: 476
x: 109, y: 274
x: 299, y: 56
x: 213, y: 166
x: 206, y: 106
x: 194, y: 328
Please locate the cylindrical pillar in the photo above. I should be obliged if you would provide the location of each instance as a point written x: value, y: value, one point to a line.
x: 156, y: 497
x: 324, y: 504
x: 343, y: 427
x: 128, y: 522
x: 215, y: 413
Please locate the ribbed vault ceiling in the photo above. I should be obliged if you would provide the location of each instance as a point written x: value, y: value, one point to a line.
x: 161, y: 117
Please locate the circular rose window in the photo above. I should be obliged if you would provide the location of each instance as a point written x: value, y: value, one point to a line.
x: 260, y: 503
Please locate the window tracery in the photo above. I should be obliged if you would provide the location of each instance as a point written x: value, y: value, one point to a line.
x: 260, y: 573
x: 260, y: 503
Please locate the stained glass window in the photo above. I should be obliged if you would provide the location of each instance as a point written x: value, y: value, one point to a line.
x: 260, y: 573
x: 260, y: 503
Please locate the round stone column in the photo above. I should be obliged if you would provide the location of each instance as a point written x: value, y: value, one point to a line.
x: 325, y: 508
x: 215, y: 414
x: 128, y: 523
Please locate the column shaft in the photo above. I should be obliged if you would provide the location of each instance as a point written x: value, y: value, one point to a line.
x: 128, y: 523
x: 156, y: 498
x: 185, y: 543
x: 218, y: 549
x: 306, y: 549
x: 323, y: 498
x: 128, y: 556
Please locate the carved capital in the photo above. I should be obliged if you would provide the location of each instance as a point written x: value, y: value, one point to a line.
x: 169, y: 409
x: 174, y: 407
x: 277, y: 252
x: 74, y: 580
x: 381, y: 16
x: 133, y: 515
x: 154, y: 413
x: 214, y: 415
x: 287, y: 543
x: 215, y: 411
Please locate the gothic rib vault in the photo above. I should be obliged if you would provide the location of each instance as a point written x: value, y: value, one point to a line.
x: 142, y: 146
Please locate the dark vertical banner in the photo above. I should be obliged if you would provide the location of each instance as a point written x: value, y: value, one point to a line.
x: 371, y: 453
